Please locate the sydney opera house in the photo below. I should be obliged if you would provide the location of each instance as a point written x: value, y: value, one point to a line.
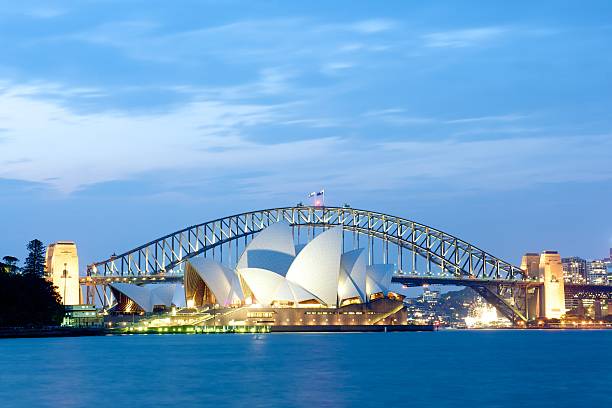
x: 278, y: 283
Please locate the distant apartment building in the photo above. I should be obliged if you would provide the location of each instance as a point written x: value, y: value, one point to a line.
x: 597, y: 272
x: 574, y: 270
x: 431, y: 297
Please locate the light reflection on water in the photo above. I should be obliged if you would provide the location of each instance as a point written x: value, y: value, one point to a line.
x: 446, y: 368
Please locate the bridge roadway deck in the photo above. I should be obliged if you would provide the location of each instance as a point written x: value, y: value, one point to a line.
x: 419, y: 280
x: 404, y: 279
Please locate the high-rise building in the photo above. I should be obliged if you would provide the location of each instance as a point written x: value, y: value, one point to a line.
x: 551, y: 271
x: 62, y: 265
x: 574, y: 269
x: 597, y: 272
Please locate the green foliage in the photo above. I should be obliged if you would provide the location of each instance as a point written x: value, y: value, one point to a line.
x: 28, y: 300
x: 35, y: 262
x: 9, y: 264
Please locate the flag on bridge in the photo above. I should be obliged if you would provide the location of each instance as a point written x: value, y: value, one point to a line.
x: 318, y: 198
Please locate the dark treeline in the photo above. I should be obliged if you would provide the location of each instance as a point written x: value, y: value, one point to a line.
x: 27, y: 299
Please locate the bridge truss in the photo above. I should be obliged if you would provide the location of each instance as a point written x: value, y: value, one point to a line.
x: 422, y: 254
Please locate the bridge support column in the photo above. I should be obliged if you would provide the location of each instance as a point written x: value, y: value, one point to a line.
x: 551, y: 271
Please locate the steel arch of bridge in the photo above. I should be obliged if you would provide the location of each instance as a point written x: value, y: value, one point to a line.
x: 452, y: 255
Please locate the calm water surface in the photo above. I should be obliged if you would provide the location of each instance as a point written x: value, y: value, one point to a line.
x: 440, y: 369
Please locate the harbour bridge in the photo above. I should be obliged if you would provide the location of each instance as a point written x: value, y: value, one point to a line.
x: 422, y: 254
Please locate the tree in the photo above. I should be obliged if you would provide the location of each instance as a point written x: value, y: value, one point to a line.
x: 9, y: 264
x: 28, y: 300
x: 35, y: 262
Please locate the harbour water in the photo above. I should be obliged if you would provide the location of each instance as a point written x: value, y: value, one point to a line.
x: 512, y: 368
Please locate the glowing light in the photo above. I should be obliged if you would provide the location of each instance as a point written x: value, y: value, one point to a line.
x: 483, y: 315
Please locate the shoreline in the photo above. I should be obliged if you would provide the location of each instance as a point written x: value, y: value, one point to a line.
x: 56, y: 332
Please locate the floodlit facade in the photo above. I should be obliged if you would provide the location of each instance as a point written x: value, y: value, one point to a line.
x: 271, y: 272
x: 271, y: 249
x: 62, y: 269
x: 209, y: 282
x: 278, y: 283
x: 531, y: 265
x: 551, y: 270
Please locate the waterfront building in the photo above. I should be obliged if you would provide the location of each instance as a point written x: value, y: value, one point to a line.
x: 551, y: 271
x: 276, y: 282
x: 574, y: 269
x: 597, y: 272
x: 82, y: 316
x: 62, y: 269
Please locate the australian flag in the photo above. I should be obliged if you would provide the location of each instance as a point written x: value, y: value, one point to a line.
x: 317, y: 198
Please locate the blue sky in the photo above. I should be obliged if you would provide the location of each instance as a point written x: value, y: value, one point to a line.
x: 122, y: 121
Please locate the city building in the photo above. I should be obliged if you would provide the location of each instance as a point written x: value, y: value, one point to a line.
x: 82, y: 316
x: 430, y: 297
x: 574, y: 269
x: 277, y: 283
x: 597, y: 272
x: 62, y: 269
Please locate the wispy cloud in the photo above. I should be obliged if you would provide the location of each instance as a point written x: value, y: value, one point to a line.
x: 275, y: 41
x: 204, y: 141
x: 463, y: 38
x: 33, y: 10
x: 45, y: 12
x: 373, y: 26
x: 402, y: 117
x: 494, y: 118
x: 334, y: 68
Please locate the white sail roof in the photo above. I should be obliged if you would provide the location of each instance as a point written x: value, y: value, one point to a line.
x: 378, y: 278
x: 352, y: 279
x: 147, y: 296
x: 268, y: 287
x: 139, y: 295
x: 179, y: 296
x: 161, y: 293
x: 317, y: 266
x: 223, y: 282
x: 272, y: 249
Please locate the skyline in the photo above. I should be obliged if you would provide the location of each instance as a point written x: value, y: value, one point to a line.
x: 120, y: 126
